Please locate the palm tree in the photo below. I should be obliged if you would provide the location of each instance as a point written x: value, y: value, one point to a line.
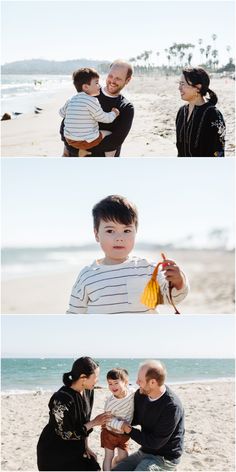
x: 202, y: 50
x: 168, y: 56
x: 190, y: 56
x: 214, y: 54
x: 207, y: 52
x: 228, y: 49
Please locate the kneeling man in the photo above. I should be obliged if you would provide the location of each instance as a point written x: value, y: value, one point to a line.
x: 160, y: 414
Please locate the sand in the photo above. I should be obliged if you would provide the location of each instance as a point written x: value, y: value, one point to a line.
x: 156, y: 101
x: 209, y: 439
x: 210, y: 273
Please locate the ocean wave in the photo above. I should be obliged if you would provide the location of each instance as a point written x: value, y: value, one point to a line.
x: 41, y: 391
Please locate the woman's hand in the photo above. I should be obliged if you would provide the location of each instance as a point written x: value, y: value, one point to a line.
x: 101, y: 420
x: 90, y: 453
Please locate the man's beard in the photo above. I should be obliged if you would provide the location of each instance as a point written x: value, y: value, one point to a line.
x: 114, y: 91
x: 145, y: 391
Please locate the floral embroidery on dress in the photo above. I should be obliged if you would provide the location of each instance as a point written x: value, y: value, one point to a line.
x: 221, y: 129
x: 59, y: 412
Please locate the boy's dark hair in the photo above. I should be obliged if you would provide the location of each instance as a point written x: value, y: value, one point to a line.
x: 115, y: 208
x: 118, y: 374
x: 83, y: 76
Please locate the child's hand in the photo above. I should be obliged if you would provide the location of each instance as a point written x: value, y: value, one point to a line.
x: 173, y: 274
x: 116, y: 111
x: 126, y: 428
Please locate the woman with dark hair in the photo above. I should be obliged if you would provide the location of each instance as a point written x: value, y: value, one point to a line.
x: 63, y: 442
x: 200, y: 126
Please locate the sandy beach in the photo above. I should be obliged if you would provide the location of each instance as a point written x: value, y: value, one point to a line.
x: 209, y: 439
x: 210, y: 273
x: 156, y: 101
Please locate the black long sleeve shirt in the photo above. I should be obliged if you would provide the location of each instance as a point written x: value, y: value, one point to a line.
x: 62, y: 442
x: 162, y: 425
x: 203, y: 135
x: 119, y: 128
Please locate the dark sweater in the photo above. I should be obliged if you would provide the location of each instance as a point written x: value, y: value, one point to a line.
x: 162, y: 425
x: 203, y: 135
x: 120, y: 127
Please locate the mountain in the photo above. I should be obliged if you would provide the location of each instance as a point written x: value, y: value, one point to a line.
x: 43, y: 66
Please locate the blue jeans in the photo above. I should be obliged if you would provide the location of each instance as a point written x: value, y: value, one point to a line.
x: 143, y: 461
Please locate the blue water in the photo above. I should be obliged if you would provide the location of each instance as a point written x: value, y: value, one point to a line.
x: 21, y: 262
x: 21, y: 93
x: 25, y: 375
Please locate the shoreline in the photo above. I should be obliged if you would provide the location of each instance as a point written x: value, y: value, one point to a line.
x: 156, y: 101
x: 24, y: 417
x: 179, y: 384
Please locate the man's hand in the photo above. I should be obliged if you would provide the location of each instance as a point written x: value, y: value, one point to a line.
x: 173, y: 274
x: 116, y: 111
x: 126, y: 427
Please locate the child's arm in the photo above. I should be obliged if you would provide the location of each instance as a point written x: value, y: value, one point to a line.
x: 126, y: 412
x: 172, y: 274
x: 78, y: 299
x: 63, y: 109
x: 99, y: 115
x: 120, y: 129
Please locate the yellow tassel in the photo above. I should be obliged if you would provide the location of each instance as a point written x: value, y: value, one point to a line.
x: 151, y: 296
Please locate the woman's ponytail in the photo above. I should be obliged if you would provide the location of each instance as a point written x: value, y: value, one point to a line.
x: 67, y: 379
x: 85, y: 366
x: 213, y: 97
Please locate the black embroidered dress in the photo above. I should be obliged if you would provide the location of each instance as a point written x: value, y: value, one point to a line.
x: 61, y: 445
x: 203, y: 135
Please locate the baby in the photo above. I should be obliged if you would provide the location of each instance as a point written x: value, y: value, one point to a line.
x: 82, y: 113
x: 114, y: 283
x: 121, y: 405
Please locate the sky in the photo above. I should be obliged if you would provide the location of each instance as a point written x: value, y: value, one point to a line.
x: 105, y: 30
x: 154, y: 337
x: 48, y: 202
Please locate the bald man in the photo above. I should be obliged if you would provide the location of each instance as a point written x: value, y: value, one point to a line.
x: 118, y: 77
x: 160, y: 414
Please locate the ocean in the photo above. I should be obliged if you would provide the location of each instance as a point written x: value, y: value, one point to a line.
x: 30, y: 375
x: 23, y: 262
x: 21, y: 93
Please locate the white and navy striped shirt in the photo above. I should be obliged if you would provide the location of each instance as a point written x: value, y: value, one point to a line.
x: 82, y: 113
x: 117, y: 288
x: 121, y: 408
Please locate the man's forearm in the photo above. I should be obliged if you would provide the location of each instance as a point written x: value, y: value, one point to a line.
x: 118, y: 134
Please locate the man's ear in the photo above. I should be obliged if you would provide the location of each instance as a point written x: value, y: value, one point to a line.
x: 96, y: 235
x: 127, y: 80
x: 198, y: 87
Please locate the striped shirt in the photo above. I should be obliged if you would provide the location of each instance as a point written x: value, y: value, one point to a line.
x: 117, y: 288
x: 82, y: 113
x: 121, y: 408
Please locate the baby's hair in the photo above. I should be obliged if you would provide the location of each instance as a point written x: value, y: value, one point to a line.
x: 84, y: 366
x: 84, y: 76
x: 197, y: 75
x: 115, y: 208
x: 118, y: 374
